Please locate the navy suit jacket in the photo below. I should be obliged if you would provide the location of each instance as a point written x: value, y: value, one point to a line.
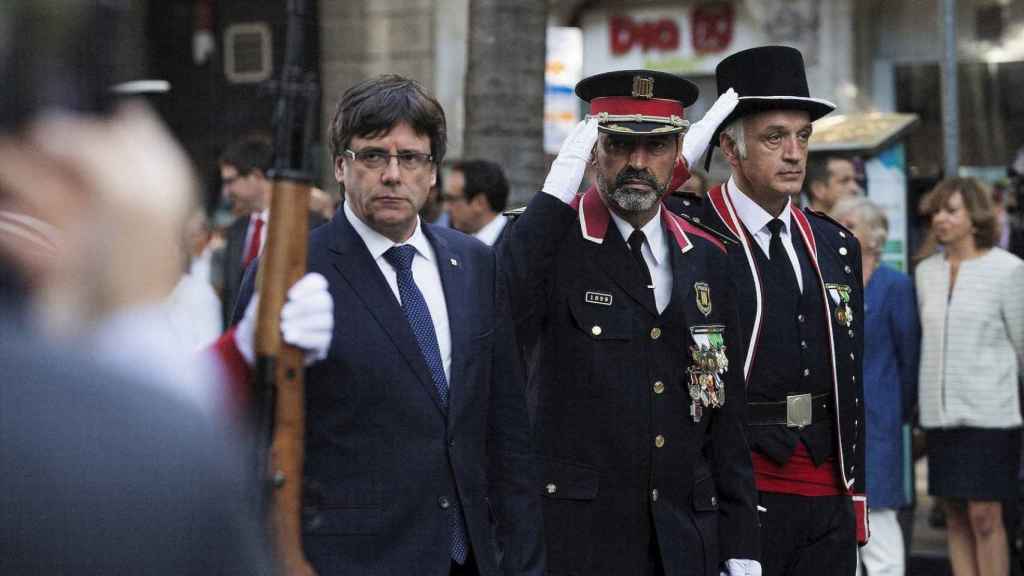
x: 383, y: 453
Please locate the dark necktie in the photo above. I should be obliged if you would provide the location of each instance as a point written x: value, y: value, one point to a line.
x: 636, y: 246
x: 418, y: 315
x: 778, y: 258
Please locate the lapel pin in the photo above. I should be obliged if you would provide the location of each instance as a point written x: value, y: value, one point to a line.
x: 454, y: 262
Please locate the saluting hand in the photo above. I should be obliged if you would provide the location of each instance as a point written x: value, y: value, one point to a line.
x: 567, y: 170
x: 697, y: 138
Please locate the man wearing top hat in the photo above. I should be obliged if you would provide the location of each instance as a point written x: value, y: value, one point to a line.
x: 628, y: 314
x: 798, y: 287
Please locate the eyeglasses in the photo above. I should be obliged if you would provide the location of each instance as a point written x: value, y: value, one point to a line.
x: 376, y: 159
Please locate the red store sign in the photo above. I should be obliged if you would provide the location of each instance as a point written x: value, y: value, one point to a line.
x: 626, y: 33
x: 712, y: 24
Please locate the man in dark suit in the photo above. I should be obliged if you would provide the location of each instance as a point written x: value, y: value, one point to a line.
x: 475, y: 199
x: 798, y: 283
x: 418, y: 452
x: 628, y: 315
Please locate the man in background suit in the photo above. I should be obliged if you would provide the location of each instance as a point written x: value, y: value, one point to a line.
x: 418, y: 453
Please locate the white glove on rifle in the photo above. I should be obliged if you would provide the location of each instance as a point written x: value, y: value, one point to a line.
x: 567, y: 170
x: 307, y: 320
x: 697, y: 138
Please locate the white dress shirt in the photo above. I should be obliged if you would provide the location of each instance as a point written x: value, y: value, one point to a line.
x: 655, y: 251
x: 490, y: 232
x: 424, y: 272
x: 756, y: 220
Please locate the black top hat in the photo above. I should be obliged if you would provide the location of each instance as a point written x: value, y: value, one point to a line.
x: 766, y: 78
x: 638, y: 102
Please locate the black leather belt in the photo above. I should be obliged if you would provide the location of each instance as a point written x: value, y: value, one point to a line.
x: 795, y: 411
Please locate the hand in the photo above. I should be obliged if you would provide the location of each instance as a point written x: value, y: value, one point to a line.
x: 697, y: 138
x: 307, y: 320
x: 567, y: 170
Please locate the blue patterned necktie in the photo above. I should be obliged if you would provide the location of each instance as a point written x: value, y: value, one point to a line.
x: 418, y: 315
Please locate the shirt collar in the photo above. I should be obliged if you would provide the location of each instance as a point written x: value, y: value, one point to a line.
x: 378, y: 244
x: 653, y: 231
x: 490, y: 231
x: 752, y: 215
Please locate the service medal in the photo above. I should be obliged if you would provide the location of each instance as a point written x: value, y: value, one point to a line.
x: 840, y: 294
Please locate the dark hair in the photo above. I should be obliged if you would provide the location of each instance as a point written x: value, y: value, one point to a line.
x: 484, y: 177
x: 818, y: 170
x: 252, y: 152
x: 977, y: 201
x: 375, y: 106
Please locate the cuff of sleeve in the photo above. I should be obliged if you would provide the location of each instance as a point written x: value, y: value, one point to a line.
x: 236, y: 371
x: 742, y: 567
x: 860, y: 510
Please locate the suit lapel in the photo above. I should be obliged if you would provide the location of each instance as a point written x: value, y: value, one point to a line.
x: 454, y: 280
x: 368, y: 283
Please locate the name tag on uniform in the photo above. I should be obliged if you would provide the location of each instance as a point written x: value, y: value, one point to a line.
x: 601, y: 298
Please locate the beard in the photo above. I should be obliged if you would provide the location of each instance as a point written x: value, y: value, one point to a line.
x: 634, y: 199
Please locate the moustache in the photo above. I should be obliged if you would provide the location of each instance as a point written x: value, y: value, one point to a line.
x: 633, y: 174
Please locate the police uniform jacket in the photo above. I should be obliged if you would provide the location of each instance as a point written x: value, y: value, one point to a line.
x: 834, y: 258
x: 623, y: 460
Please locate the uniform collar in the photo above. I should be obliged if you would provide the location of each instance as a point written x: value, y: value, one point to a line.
x: 594, y: 217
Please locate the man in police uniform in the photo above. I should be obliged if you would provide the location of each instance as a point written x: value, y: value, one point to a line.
x: 798, y: 285
x: 630, y: 316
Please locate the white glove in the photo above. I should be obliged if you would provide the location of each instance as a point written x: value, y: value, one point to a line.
x: 307, y: 320
x: 742, y: 567
x: 567, y: 170
x: 697, y: 138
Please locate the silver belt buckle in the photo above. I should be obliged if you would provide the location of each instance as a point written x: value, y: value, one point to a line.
x: 798, y: 410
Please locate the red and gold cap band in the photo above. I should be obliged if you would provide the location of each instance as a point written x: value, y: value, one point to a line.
x: 627, y: 106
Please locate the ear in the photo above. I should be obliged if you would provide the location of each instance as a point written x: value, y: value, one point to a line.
x: 433, y: 177
x: 729, y: 149
x: 339, y: 169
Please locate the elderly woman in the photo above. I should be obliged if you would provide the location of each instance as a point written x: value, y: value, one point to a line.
x: 892, y: 338
x: 973, y: 322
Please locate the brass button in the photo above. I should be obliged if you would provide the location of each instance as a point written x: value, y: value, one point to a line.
x: 714, y: 501
x: 654, y: 495
x: 843, y: 250
x: 800, y: 318
x: 803, y: 344
x: 659, y: 387
x: 852, y: 356
x: 686, y: 202
x: 444, y: 503
x: 596, y: 330
x: 655, y: 333
x: 847, y: 269
x: 842, y: 234
x: 852, y: 334
x: 807, y: 371
x: 659, y: 441
x: 696, y: 219
x: 551, y: 488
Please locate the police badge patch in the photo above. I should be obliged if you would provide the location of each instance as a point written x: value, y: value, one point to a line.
x: 708, y: 363
x: 703, y: 293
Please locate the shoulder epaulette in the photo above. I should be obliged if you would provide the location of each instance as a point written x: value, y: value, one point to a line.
x: 827, y: 218
x: 698, y: 224
x: 513, y: 213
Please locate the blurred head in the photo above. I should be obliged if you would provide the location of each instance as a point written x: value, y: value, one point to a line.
x: 866, y: 220
x: 768, y: 153
x: 243, y: 173
x: 477, y: 192
x: 387, y: 137
x: 829, y: 180
x: 697, y: 184
x: 961, y: 209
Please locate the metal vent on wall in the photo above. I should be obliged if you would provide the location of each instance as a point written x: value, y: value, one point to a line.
x: 248, y: 54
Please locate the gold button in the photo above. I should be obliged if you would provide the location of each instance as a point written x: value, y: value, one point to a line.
x: 843, y: 250
x: 659, y: 387
x: 654, y: 495
x: 659, y: 440
x: 847, y: 269
x: 596, y: 330
x: 842, y: 234
x: 551, y: 488
x: 655, y: 333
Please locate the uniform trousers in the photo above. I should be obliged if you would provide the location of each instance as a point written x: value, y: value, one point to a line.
x: 807, y: 535
x: 883, y: 554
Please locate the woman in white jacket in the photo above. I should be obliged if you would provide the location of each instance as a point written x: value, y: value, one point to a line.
x: 972, y: 320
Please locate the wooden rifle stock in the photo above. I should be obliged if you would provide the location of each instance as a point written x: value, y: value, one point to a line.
x: 280, y: 368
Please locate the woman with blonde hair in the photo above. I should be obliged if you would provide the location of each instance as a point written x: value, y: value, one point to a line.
x: 892, y: 345
x: 972, y: 317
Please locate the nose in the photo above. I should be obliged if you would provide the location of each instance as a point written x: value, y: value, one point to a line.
x: 792, y: 149
x: 638, y: 157
x: 392, y: 173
